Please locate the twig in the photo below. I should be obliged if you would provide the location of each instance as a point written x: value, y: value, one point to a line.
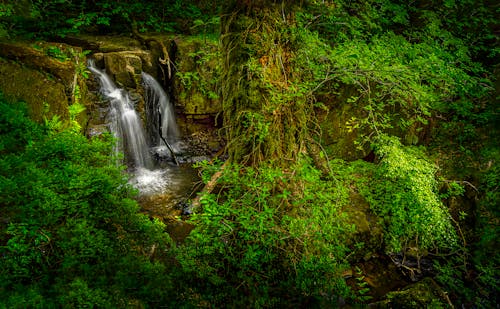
x: 165, y: 141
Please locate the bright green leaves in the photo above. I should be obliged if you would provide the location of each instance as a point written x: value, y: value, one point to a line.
x: 404, y: 193
x: 398, y: 83
x: 68, y: 223
x: 397, y: 77
x: 266, y: 232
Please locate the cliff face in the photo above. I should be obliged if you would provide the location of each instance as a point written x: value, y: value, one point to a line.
x: 29, y: 73
x: 44, y: 75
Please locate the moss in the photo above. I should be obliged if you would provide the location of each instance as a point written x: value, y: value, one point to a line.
x: 45, y: 96
x: 423, y: 294
x: 196, y: 80
x: 267, y: 110
x: 39, y: 58
x: 368, y: 231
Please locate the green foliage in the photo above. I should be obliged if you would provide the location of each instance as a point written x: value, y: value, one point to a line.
x: 471, y: 275
x: 362, y: 286
x: 398, y: 76
x: 398, y: 83
x: 71, y: 234
x: 265, y: 238
x: 37, y: 18
x: 57, y: 53
x: 14, y: 126
x: 6, y: 11
x: 404, y: 193
x: 203, y: 76
x: 69, y: 226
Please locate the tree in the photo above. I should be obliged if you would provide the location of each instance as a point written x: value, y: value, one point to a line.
x: 266, y: 110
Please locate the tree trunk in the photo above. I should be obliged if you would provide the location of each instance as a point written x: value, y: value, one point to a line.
x: 266, y: 110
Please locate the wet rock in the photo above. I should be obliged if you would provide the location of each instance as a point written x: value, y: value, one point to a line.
x: 185, y: 208
x: 415, y: 267
x: 126, y: 66
x: 380, y: 275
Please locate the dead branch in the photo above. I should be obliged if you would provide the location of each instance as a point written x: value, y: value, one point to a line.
x: 209, y: 187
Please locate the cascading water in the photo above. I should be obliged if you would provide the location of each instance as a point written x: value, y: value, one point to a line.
x: 126, y: 125
x: 159, y: 112
x: 158, y: 185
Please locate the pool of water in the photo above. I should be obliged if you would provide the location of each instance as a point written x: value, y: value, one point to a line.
x: 161, y: 189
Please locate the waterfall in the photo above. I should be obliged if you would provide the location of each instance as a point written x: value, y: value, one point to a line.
x: 158, y: 107
x: 126, y: 124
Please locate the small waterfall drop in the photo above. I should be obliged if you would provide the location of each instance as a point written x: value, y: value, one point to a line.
x: 160, y: 185
x: 126, y: 124
x: 159, y: 112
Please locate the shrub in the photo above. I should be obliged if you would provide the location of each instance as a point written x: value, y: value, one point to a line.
x: 268, y: 237
x: 403, y: 192
x: 69, y: 225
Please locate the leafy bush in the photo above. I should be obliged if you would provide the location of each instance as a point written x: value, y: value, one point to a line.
x: 472, y: 276
x: 267, y: 238
x: 69, y: 226
x: 60, y: 18
x: 404, y: 193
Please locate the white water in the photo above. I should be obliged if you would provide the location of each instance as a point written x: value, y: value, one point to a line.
x: 126, y: 124
x: 158, y: 104
x: 168, y: 183
x: 150, y: 182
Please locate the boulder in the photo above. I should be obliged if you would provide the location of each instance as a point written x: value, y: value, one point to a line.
x: 423, y: 294
x: 45, y: 96
x: 126, y: 66
x: 367, y: 227
x: 33, y: 56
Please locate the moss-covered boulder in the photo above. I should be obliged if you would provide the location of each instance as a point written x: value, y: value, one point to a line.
x: 368, y: 232
x: 46, y: 97
x: 48, y: 76
x: 195, y: 82
x: 54, y: 59
x: 423, y: 294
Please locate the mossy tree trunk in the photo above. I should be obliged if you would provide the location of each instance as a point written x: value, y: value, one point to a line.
x: 266, y: 110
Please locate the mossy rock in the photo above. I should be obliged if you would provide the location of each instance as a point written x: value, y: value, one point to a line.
x: 367, y: 227
x: 45, y: 96
x: 423, y: 294
x: 32, y: 55
x: 339, y: 134
x: 103, y: 43
x: 195, y: 87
